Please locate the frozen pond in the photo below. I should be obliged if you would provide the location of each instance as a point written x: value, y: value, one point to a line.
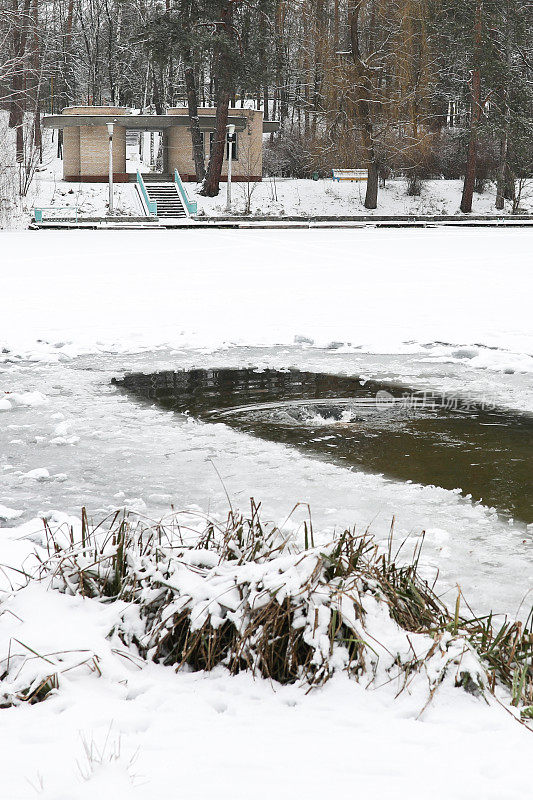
x: 436, y: 311
x: 94, y: 445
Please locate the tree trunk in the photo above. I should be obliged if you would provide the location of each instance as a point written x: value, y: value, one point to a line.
x: 156, y: 95
x: 211, y: 183
x: 364, y: 99
x: 318, y: 35
x: 112, y: 36
x: 371, y: 196
x: 68, y: 67
x: 281, y: 92
x: 500, y: 184
x: 17, y: 105
x: 336, y: 28
x: 475, y: 115
x: 216, y: 157
x: 196, y: 133
x: 306, y: 76
x: 37, y: 79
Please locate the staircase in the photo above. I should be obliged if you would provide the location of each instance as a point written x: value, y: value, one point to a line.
x: 157, y: 177
x: 167, y: 198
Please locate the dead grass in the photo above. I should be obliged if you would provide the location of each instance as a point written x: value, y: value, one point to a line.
x: 243, y: 595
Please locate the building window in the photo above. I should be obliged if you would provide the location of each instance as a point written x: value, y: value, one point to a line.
x: 234, y: 149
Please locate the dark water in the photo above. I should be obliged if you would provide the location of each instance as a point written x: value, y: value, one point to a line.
x: 429, y: 439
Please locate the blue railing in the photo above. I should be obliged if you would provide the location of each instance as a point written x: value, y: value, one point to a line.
x: 38, y: 212
x: 190, y: 205
x: 151, y: 205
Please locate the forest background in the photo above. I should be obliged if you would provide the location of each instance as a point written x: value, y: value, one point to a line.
x: 421, y: 88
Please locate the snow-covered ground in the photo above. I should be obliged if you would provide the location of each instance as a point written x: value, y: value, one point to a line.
x: 277, y: 197
x: 150, y: 733
x: 280, y: 197
x: 433, y: 309
x: 325, y: 197
x: 63, y: 199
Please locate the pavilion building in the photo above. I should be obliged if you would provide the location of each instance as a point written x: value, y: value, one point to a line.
x: 86, y: 141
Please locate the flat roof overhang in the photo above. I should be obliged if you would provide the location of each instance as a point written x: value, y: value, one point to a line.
x: 147, y: 122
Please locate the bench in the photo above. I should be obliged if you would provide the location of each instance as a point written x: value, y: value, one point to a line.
x: 349, y: 174
x: 38, y: 212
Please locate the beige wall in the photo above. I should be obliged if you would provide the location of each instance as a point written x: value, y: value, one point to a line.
x: 94, y: 150
x: 71, y: 152
x: 86, y: 149
x: 249, y: 161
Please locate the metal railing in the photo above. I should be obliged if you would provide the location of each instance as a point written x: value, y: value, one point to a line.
x: 38, y: 212
x: 190, y: 205
x: 151, y: 205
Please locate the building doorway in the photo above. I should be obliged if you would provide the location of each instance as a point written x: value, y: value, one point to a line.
x: 146, y: 152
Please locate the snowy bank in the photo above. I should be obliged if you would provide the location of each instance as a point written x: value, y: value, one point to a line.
x: 400, y: 670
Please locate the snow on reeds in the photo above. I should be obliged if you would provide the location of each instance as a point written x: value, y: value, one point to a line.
x: 243, y: 595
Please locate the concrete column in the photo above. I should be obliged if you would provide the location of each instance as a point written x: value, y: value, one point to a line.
x: 164, y: 147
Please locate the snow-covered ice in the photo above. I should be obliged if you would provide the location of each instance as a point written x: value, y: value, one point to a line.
x: 9, y: 513
x: 455, y: 295
x: 82, y: 308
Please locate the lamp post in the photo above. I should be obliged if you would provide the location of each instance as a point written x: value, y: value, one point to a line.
x: 231, y: 138
x: 110, y: 132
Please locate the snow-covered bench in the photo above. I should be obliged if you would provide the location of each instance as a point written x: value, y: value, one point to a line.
x: 349, y: 174
x: 71, y: 211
